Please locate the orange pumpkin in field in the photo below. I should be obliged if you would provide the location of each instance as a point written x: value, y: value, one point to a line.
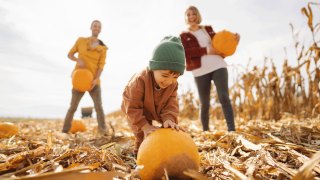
x: 167, y: 149
x: 8, y: 129
x: 77, y: 126
x: 225, y: 42
x: 82, y: 79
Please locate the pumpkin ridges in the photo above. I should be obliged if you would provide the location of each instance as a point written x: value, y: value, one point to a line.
x: 176, y: 172
x: 82, y: 79
x: 225, y: 42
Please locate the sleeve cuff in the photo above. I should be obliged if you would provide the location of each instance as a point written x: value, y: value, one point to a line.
x: 169, y: 118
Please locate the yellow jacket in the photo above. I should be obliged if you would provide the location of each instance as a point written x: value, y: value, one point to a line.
x: 93, y: 58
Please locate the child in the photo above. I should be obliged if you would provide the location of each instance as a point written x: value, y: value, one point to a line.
x: 152, y: 93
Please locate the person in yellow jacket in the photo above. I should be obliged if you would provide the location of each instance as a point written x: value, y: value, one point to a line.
x: 91, y: 55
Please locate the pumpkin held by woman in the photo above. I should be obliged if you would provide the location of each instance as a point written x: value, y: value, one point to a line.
x: 225, y: 42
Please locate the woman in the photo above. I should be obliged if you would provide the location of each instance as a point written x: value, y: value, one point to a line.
x: 206, y: 64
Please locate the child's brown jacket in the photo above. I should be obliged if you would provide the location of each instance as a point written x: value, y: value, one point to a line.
x: 142, y: 103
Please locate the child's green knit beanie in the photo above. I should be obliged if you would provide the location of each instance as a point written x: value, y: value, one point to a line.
x: 168, y: 55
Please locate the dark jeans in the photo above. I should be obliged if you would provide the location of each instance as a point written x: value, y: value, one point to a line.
x: 220, y: 79
x: 95, y: 94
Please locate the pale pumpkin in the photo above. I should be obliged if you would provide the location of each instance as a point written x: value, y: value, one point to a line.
x: 167, y: 149
x: 225, y: 42
x: 8, y: 129
x: 77, y: 126
x: 82, y: 80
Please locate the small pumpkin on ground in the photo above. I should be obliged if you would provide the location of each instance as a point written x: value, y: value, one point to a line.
x: 77, y: 126
x: 8, y: 129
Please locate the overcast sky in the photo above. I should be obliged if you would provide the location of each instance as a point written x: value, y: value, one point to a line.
x: 36, y: 35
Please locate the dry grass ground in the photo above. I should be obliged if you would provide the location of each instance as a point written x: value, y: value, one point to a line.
x: 258, y: 150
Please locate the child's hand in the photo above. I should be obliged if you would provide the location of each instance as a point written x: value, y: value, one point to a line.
x: 171, y: 124
x: 147, y: 129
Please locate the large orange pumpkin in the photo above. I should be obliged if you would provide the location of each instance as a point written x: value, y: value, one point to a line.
x: 225, y: 42
x: 82, y: 79
x: 77, y: 126
x: 167, y: 149
x: 8, y: 129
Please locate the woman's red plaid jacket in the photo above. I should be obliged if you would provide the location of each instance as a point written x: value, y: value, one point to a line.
x: 192, y: 48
